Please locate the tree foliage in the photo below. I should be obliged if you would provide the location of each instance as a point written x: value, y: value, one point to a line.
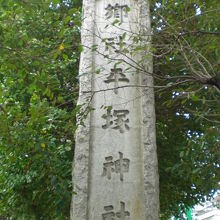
x: 39, y: 56
x: 38, y: 90
x: 186, y: 62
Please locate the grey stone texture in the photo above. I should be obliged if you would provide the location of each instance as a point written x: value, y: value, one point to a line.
x: 115, y: 171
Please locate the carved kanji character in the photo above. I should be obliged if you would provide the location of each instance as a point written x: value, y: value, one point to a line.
x: 109, y: 11
x: 110, y: 44
x: 108, y: 167
x: 108, y: 119
x: 122, y: 166
x: 122, y: 213
x: 121, y: 122
x: 125, y: 10
x: 115, y: 45
x: 115, y: 76
x: 117, y: 11
x: 110, y: 215
x: 120, y: 45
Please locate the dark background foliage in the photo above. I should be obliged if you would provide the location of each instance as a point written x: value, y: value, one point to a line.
x: 39, y: 58
x: 186, y: 55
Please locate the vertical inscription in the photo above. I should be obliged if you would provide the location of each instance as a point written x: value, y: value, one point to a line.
x: 117, y: 119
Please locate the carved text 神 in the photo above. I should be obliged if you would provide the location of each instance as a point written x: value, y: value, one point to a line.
x: 119, y: 166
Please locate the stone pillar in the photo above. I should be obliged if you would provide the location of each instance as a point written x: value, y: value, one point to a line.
x: 115, y: 172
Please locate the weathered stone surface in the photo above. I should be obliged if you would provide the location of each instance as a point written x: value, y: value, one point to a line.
x: 115, y: 165
x: 79, y: 205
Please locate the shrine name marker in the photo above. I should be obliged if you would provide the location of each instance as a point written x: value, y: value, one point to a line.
x: 115, y: 174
